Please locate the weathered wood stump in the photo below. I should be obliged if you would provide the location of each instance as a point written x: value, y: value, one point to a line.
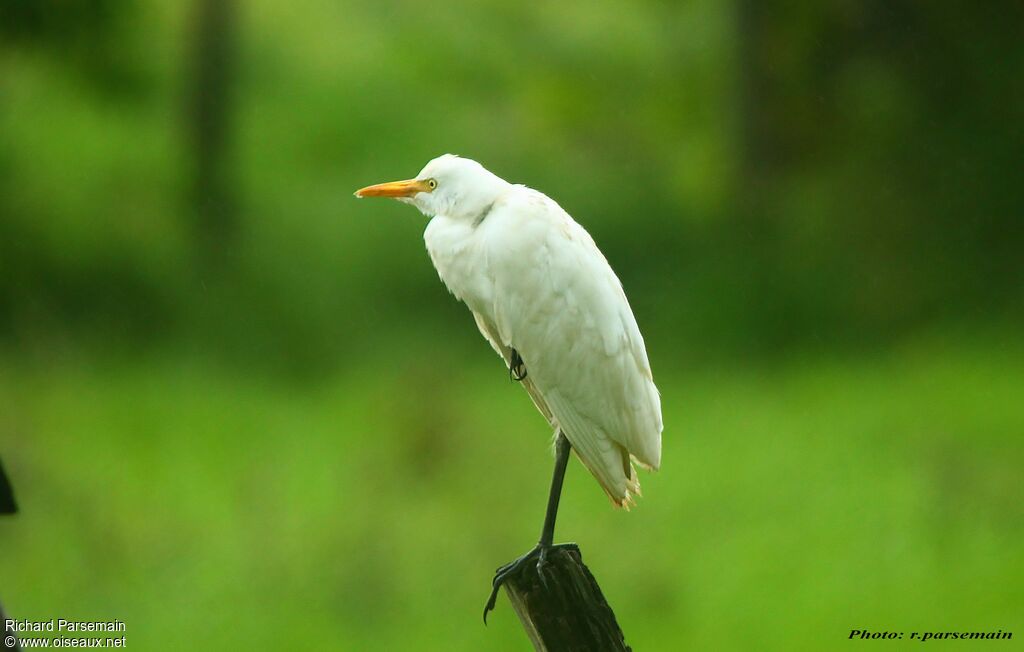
x: 567, y: 612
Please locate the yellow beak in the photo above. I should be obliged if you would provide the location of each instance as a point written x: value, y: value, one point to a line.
x: 406, y: 188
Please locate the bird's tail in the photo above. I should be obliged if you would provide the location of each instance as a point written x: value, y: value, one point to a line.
x: 623, y: 490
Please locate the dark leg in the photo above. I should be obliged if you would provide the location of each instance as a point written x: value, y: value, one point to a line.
x: 562, y: 448
x: 547, y: 533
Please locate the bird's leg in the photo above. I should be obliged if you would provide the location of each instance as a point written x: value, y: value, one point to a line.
x: 547, y: 533
x: 516, y: 366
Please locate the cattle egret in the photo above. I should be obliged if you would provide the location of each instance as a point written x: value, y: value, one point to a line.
x: 545, y: 298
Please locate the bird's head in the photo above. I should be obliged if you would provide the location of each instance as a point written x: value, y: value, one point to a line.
x: 449, y: 185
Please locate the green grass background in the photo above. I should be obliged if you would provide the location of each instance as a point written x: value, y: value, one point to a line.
x: 796, y: 502
x: 284, y: 434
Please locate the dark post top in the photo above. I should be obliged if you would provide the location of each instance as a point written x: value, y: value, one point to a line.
x: 569, y: 614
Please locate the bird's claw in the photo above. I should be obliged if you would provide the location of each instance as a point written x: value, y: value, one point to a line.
x: 516, y: 367
x: 504, y: 572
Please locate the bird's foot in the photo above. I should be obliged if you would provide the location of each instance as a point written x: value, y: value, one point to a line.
x: 516, y: 367
x: 539, y: 552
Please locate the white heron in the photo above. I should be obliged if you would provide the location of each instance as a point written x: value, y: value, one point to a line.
x: 546, y: 299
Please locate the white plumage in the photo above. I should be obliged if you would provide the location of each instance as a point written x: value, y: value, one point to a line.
x: 536, y: 283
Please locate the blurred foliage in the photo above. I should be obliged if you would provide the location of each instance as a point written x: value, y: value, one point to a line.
x: 794, y: 504
x: 762, y: 177
x: 815, y: 210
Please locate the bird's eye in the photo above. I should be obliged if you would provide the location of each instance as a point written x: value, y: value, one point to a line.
x: 432, y: 183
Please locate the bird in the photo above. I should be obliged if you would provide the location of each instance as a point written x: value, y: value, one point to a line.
x: 548, y: 302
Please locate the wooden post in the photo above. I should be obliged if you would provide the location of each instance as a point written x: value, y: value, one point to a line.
x: 569, y: 613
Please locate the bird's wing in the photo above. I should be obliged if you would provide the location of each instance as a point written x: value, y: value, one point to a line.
x: 587, y: 447
x: 559, y: 304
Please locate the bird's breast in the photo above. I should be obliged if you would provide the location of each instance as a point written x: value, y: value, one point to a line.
x: 456, y: 249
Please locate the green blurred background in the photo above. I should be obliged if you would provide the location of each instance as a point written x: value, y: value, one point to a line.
x: 241, y: 412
